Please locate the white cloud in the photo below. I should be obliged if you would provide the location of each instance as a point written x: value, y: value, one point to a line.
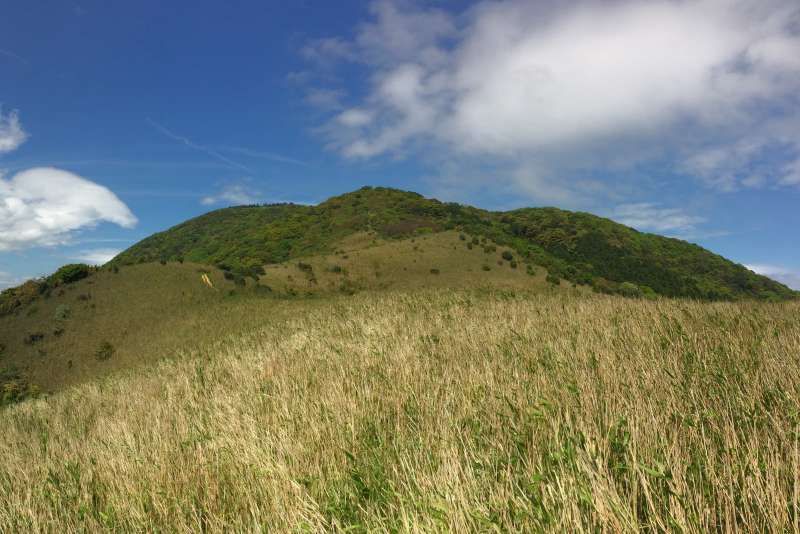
x: 789, y: 277
x: 97, y: 256
x: 652, y: 217
x: 564, y: 86
x: 11, y: 133
x: 233, y: 194
x: 45, y: 206
x: 354, y: 118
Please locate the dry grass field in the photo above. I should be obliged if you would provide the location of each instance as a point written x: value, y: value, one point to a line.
x: 432, y: 411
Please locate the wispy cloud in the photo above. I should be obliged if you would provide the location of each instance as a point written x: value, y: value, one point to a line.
x: 9, y: 53
x: 8, y: 280
x: 191, y: 144
x: 785, y: 275
x: 11, y: 133
x: 652, y: 217
x: 260, y: 154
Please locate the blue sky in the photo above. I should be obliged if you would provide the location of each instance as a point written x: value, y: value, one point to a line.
x: 122, y: 119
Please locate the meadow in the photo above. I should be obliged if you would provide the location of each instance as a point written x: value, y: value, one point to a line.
x: 431, y: 410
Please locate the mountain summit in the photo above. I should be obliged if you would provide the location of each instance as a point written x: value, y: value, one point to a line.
x: 579, y: 247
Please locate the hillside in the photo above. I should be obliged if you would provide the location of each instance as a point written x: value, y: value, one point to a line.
x: 145, y: 312
x: 578, y: 247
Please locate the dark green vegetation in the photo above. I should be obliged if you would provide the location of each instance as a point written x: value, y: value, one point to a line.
x: 578, y: 247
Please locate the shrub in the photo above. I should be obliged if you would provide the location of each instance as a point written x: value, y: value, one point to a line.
x: 462, y: 237
x: 33, y: 337
x: 469, y: 246
x: 553, y: 279
x: 485, y: 267
x: 14, y: 387
x: 335, y: 269
x: 105, y: 351
x: 506, y: 255
x: 434, y: 271
x: 513, y: 264
x: 475, y: 241
x: 305, y: 267
x: 63, y: 312
x: 70, y: 273
x: 630, y: 290
x: 530, y: 269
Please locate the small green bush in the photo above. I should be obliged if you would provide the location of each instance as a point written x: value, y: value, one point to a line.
x: 506, y: 255
x: 469, y: 246
x: 513, y: 264
x: 435, y: 271
x: 485, y: 267
x: 305, y: 267
x: 14, y: 387
x: 462, y: 237
x: 530, y: 269
x: 63, y: 312
x: 105, y: 351
x: 629, y: 289
x: 70, y: 273
x: 553, y: 279
x: 33, y: 337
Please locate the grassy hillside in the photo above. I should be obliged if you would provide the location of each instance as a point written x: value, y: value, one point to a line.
x: 144, y: 312
x: 432, y: 411
x: 578, y: 247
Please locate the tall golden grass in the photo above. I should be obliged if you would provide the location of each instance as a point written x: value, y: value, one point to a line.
x: 433, y: 411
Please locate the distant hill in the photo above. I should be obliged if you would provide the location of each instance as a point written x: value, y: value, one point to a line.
x: 579, y: 247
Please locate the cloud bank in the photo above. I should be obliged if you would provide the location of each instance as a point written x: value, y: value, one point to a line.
x: 552, y: 89
x: 46, y: 206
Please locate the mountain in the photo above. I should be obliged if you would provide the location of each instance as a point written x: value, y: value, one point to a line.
x: 579, y: 247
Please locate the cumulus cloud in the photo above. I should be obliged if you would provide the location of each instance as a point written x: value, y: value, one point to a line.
x: 652, y: 217
x: 233, y: 194
x: 98, y: 256
x: 569, y: 85
x: 789, y: 277
x: 11, y: 133
x: 45, y: 206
